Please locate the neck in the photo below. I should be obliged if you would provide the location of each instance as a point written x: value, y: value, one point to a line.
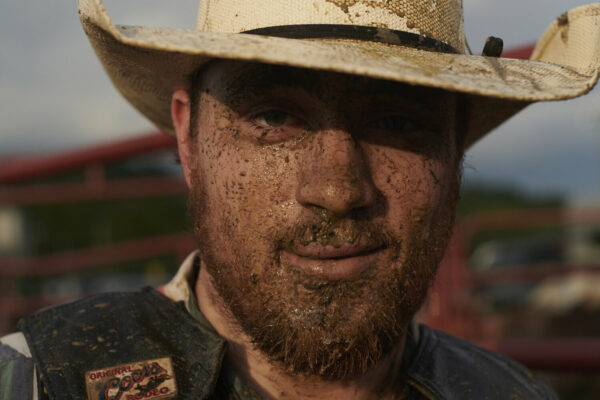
x: 271, y: 381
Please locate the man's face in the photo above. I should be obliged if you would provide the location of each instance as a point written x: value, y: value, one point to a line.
x: 322, y: 205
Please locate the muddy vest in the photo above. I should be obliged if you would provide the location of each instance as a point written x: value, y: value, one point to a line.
x: 130, y: 346
x: 124, y: 346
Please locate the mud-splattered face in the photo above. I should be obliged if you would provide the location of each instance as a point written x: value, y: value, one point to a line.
x: 322, y: 205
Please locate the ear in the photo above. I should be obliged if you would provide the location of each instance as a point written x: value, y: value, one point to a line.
x: 180, y: 113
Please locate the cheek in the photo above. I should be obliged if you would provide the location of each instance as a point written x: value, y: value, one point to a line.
x: 252, y: 192
x: 417, y: 190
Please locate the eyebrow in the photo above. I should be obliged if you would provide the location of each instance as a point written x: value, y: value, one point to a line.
x: 257, y: 80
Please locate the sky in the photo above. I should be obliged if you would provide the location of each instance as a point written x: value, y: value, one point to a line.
x: 54, y: 95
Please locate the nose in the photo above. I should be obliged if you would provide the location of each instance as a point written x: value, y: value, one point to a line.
x: 336, y: 175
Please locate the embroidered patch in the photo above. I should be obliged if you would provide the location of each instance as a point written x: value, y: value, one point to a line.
x: 149, y: 379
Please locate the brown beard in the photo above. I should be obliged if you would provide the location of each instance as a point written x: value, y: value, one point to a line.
x: 336, y: 330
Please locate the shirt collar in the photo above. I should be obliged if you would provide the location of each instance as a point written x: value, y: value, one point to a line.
x: 181, y: 288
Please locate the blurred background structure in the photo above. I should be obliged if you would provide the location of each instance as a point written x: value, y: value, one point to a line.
x: 87, y: 204
x: 110, y: 217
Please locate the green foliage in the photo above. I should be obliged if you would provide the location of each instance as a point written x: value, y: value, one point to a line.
x: 119, y: 276
x: 480, y: 198
x: 59, y: 227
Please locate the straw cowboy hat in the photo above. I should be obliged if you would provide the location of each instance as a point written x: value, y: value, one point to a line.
x: 419, y: 42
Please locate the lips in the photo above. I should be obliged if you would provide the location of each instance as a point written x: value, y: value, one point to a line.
x: 323, y: 252
x: 332, y: 262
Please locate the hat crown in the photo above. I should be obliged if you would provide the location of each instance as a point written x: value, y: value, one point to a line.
x: 438, y: 19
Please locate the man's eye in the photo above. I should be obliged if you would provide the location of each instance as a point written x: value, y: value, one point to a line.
x: 274, y: 118
x: 273, y: 125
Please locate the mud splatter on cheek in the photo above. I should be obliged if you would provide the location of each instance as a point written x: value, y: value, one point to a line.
x: 391, y: 172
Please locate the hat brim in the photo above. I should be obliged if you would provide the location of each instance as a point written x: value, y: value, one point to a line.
x: 148, y: 64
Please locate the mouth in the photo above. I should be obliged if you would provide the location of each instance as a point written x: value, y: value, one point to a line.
x: 319, y: 251
x: 332, y: 262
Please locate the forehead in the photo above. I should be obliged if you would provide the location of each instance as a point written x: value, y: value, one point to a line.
x: 234, y: 79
